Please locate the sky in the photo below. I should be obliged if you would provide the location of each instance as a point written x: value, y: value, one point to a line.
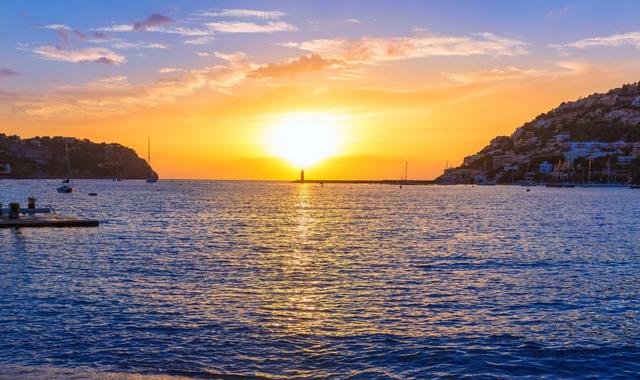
x: 343, y: 89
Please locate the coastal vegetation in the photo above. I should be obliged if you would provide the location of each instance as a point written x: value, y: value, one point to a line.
x: 44, y: 157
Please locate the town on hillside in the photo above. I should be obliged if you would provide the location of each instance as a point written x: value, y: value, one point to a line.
x: 594, y: 140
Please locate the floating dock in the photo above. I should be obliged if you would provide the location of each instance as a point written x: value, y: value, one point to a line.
x: 34, y: 220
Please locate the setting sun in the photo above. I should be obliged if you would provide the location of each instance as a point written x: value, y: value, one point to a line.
x: 304, y: 139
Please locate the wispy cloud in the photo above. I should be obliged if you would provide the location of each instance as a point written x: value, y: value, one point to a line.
x: 168, y: 70
x: 55, y: 27
x: 576, y: 67
x: 233, y: 58
x: 4, y: 72
x: 203, y: 54
x: 302, y: 64
x: 353, y: 73
x: 511, y: 73
x: 110, y: 82
x: 119, y: 44
x: 369, y: 50
x: 631, y: 38
x: 562, y: 10
x: 169, y: 29
x: 249, y: 27
x: 199, y: 40
x: 114, y: 95
x: 247, y: 13
x: 317, y: 25
x: 64, y: 32
x: 96, y: 55
x: 99, y: 36
x: 152, y: 21
x: 507, y: 73
x: 289, y: 44
x: 116, y: 28
x: 187, y: 32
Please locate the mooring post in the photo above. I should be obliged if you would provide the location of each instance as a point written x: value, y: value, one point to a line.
x: 14, y: 210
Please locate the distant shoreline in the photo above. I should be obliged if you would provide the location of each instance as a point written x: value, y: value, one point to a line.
x: 357, y: 181
x: 334, y: 181
x: 316, y: 181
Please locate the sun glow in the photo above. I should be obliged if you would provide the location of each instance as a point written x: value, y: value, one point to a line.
x: 304, y: 139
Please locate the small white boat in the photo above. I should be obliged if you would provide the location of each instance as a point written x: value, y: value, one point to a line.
x: 65, y: 189
x: 67, y: 186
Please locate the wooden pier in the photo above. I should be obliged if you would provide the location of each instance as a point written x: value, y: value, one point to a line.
x: 40, y: 220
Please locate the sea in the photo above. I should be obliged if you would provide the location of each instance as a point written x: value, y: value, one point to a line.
x: 274, y: 280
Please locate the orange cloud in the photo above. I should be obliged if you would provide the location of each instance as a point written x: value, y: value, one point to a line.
x: 369, y: 50
x: 302, y: 64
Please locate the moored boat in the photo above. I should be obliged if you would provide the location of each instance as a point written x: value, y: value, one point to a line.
x: 150, y: 177
x: 67, y: 186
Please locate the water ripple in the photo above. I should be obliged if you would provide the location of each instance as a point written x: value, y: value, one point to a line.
x: 274, y: 280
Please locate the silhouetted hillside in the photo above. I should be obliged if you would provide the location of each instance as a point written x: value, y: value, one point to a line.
x: 44, y: 157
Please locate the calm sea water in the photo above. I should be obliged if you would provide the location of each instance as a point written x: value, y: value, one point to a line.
x: 279, y: 280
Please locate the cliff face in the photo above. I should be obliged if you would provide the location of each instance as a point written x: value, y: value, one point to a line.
x: 44, y: 157
x: 589, y: 139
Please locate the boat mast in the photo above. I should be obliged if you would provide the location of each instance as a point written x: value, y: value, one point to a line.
x: 406, y: 170
x: 149, y: 156
x: 66, y: 151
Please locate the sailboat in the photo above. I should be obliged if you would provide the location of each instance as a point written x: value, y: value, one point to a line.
x: 67, y: 185
x: 150, y: 177
x: 485, y: 181
x: 404, y: 179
